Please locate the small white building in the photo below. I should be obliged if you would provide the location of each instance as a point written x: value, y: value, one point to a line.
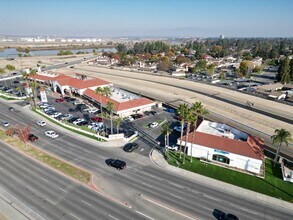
x: 222, y: 144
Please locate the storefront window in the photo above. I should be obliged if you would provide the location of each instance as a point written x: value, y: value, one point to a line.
x: 221, y: 158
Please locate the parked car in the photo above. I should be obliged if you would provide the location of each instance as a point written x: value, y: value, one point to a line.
x: 77, y: 102
x: 172, y: 147
x: 153, y: 124
x: 96, y: 118
x: 51, y: 112
x: 118, y: 164
x: 78, y: 120
x: 128, y: 133
x: 150, y: 113
x: 70, y: 99
x: 129, y: 118
x: 51, y: 134
x: 32, y: 137
x: 129, y: 147
x: 41, y: 123
x: 47, y: 109
x: 64, y: 116
x: 5, y: 124
x: 93, y: 110
x: 11, y: 109
x: 59, y: 100
x: 71, y: 120
x: 15, y: 81
x: 137, y: 116
x: 82, y: 123
x: 56, y: 114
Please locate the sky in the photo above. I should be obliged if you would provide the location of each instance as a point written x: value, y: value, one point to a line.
x: 147, y: 18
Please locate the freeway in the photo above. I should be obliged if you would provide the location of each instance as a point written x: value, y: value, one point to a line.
x: 141, y: 177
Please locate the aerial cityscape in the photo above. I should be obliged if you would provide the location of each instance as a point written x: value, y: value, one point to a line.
x: 146, y: 109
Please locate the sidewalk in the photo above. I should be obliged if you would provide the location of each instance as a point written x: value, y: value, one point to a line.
x: 158, y: 159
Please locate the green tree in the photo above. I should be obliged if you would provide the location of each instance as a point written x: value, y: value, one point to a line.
x: 10, y: 67
x: 110, y: 108
x: 211, y: 69
x: 33, y: 86
x: 117, y: 121
x: 280, y: 137
x: 166, y: 131
x: 283, y: 75
x: 19, y: 54
x: 291, y: 69
x: 2, y: 70
x: 182, y: 111
x: 246, y: 68
x: 121, y: 48
x: 100, y: 92
x: 190, y: 117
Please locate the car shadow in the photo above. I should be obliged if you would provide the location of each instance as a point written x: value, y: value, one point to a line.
x: 218, y: 214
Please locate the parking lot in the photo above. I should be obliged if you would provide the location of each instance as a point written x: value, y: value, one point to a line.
x: 14, y: 87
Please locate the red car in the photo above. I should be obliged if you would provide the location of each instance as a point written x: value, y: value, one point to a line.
x: 96, y: 118
x: 32, y: 137
x: 59, y: 100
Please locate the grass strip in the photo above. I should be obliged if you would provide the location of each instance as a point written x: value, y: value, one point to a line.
x: 53, y: 162
x: 272, y: 185
x: 70, y: 129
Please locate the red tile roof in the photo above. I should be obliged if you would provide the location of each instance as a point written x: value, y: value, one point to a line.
x: 252, y: 148
x: 81, y: 84
x: 118, y: 106
x: 40, y: 77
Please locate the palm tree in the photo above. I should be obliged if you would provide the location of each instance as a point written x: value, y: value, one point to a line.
x: 100, y: 92
x: 18, y: 88
x: 166, y: 131
x: 107, y: 92
x: 204, y: 112
x: 281, y: 136
x: 189, y: 118
x: 118, y: 121
x: 193, y: 123
x: 33, y: 85
x: 110, y: 108
x: 182, y: 111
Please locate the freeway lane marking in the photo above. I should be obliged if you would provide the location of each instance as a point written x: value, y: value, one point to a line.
x: 175, y: 196
x: 62, y: 189
x: 86, y: 203
x: 74, y: 216
x: 113, y: 217
x: 44, y: 179
x: 144, y: 215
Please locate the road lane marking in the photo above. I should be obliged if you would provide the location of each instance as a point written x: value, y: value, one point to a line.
x: 175, y: 184
x: 14, y: 177
x: 44, y: 179
x: 74, y: 215
x: 144, y: 215
x: 51, y: 201
x: 113, y: 217
x: 176, y: 196
x: 86, y: 203
x: 169, y: 208
x: 62, y: 189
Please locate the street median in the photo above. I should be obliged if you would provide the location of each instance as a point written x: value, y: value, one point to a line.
x: 53, y: 162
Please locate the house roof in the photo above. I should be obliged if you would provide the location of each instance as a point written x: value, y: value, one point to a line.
x: 81, y: 84
x: 118, y: 106
x: 272, y: 86
x: 40, y: 77
x: 252, y: 148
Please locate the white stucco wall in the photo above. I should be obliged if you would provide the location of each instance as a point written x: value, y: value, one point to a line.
x: 238, y: 161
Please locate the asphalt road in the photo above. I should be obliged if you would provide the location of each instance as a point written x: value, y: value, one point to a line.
x: 142, y: 177
x: 52, y: 195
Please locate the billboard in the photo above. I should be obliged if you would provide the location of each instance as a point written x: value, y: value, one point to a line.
x: 43, y: 96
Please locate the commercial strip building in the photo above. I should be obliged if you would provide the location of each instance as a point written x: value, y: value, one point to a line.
x: 227, y: 146
x: 125, y: 103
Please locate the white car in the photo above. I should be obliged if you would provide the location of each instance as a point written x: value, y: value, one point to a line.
x: 5, y: 124
x: 49, y: 109
x: 129, y: 118
x: 95, y: 125
x: 93, y: 110
x: 51, y: 134
x: 173, y: 147
x: 154, y: 124
x: 41, y: 123
x: 78, y: 120
x: 55, y: 115
x: 77, y: 102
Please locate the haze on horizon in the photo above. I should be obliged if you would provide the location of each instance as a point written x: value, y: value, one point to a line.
x: 147, y: 18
